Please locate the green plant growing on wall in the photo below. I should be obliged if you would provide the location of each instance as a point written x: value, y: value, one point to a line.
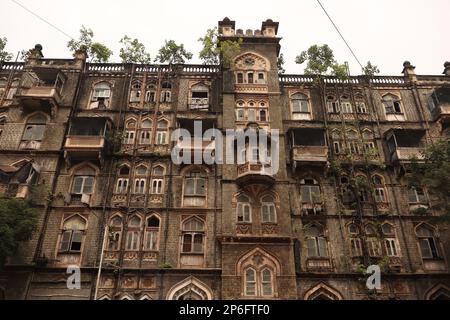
x: 4, y: 55
x: 433, y: 174
x: 18, y: 220
x: 370, y: 69
x: 98, y: 52
x: 133, y: 51
x: 320, y: 61
x: 172, y: 53
x: 217, y: 51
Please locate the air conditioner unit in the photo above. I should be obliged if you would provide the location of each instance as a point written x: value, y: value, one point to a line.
x: 86, y: 199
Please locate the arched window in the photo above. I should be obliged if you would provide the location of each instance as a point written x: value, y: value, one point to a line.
x: 72, y: 235
x: 392, y: 104
x: 194, y: 189
x: 162, y: 132
x: 34, y: 132
x: 199, y: 97
x: 258, y: 283
x: 251, y: 69
x: 146, y: 132
x: 115, y: 233
x: 346, y: 105
x: 193, y: 236
x: 130, y: 131
x: 300, y: 103
x: 135, y: 95
x: 363, y: 188
x: 360, y: 105
x: 250, y: 282
x: 166, y: 92
x: 416, y: 195
x: 150, y: 94
x: 158, y: 180
x: 140, y: 181
x: 133, y: 234
x: 316, y: 242
x: 429, y: 248
x: 373, y: 244
x: 101, y: 96
x: 152, y: 234
x: 244, y: 209
x: 333, y: 105
x: 268, y: 210
x: 379, y: 189
x: 338, y: 144
x: 390, y: 241
x: 368, y: 140
x: 122, y: 181
x: 355, y: 240
x: 83, y: 180
x: 353, y: 144
x: 310, y: 191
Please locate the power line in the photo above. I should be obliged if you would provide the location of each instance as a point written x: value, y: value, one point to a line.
x: 42, y: 19
x: 337, y: 29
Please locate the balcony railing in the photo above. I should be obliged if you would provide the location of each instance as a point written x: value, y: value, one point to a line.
x: 85, y: 142
x: 405, y: 154
x: 197, y: 144
x: 310, y: 154
x: 249, y: 173
x: 199, y: 104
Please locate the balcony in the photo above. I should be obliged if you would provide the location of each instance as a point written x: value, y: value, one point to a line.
x: 41, y: 90
x: 199, y: 104
x: 310, y: 154
x: 87, y: 139
x: 308, y: 147
x: 405, y: 144
x: 439, y: 104
x: 254, y: 173
x: 406, y: 154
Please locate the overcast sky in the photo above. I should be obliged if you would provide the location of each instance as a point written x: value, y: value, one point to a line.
x: 386, y: 32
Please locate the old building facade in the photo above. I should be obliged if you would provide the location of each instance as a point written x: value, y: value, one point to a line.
x: 91, y: 145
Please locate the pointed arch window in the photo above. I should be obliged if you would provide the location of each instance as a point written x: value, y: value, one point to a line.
x: 416, y: 195
x: 150, y: 94
x: 166, y: 93
x: 199, y: 97
x: 355, y: 241
x: 72, y: 235
x: 392, y: 104
x: 101, y: 95
x: 316, y: 242
x: 146, y: 132
x: 133, y: 234
x: 158, y: 180
x: 258, y: 283
x: 83, y: 181
x: 122, y: 181
x: 195, y: 189
x: 130, y: 131
x: 428, y: 244
x: 152, y: 233
x: 135, y: 95
x: 268, y: 210
x: 373, y: 244
x: 115, y: 233
x: 34, y: 129
x: 390, y: 240
x: 244, y: 209
x: 193, y: 236
x: 162, y: 132
x: 346, y: 105
x: 379, y: 189
x: 300, y: 103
